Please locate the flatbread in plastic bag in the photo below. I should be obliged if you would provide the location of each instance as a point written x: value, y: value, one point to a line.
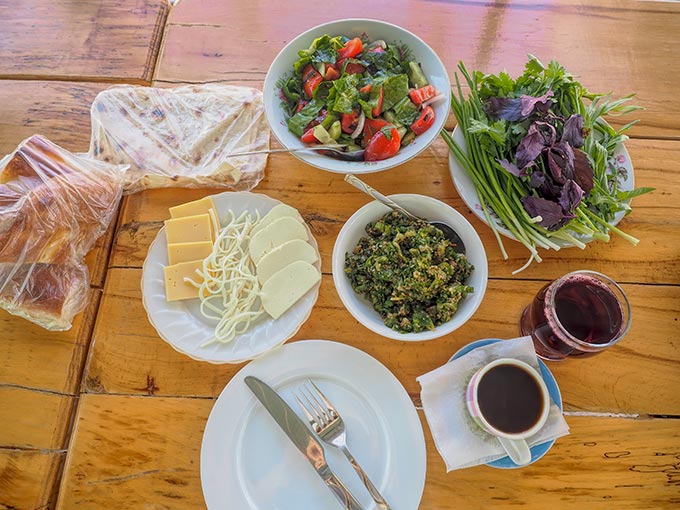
x: 54, y: 205
x: 181, y: 137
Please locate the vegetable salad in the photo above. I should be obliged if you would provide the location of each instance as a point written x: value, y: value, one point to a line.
x: 368, y: 98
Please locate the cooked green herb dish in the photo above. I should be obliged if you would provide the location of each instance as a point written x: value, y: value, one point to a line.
x: 409, y: 272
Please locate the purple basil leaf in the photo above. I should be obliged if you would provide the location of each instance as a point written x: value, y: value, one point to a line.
x: 537, y: 179
x: 549, y: 189
x: 508, y: 108
x: 511, y: 167
x: 530, y: 147
x: 530, y: 103
x: 571, y: 196
x: 561, y: 162
x: 517, y: 108
x: 573, y: 131
x: 552, y: 216
x: 583, y: 172
x: 548, y: 131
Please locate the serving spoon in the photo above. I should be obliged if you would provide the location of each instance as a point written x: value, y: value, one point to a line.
x: 449, y: 233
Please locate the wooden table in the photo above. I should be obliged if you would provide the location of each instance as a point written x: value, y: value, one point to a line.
x: 107, y: 415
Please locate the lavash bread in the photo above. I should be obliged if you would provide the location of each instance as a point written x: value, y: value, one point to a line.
x: 54, y: 205
x: 179, y: 137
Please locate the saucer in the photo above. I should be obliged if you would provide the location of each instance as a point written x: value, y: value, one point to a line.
x: 539, y: 450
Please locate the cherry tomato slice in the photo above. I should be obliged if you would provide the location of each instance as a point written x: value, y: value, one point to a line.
x: 419, y: 96
x: 349, y: 121
x: 331, y: 73
x: 353, y: 68
x: 308, y: 136
x: 424, y: 121
x: 377, y: 109
x: 371, y: 127
x: 381, y: 147
x: 311, y: 78
x: 351, y: 48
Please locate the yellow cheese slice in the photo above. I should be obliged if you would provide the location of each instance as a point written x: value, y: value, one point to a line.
x: 175, y: 286
x: 190, y: 229
x: 275, y: 234
x: 278, y: 211
x: 287, y: 286
x: 187, y: 252
x: 281, y: 256
x: 201, y: 206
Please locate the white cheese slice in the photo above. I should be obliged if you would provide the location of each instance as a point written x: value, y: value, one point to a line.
x: 275, y: 234
x: 281, y: 256
x: 287, y: 286
x: 278, y: 211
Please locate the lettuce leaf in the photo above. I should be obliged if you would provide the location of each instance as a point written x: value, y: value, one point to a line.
x: 298, y: 122
x: 322, y: 49
x: 405, y: 112
x: 396, y: 88
x: 344, y: 94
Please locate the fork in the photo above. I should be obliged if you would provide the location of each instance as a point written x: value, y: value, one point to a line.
x: 329, y: 426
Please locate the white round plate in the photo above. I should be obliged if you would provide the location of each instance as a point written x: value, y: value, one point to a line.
x: 467, y: 191
x: 181, y: 324
x: 433, y: 210
x: 248, y: 463
x: 282, y: 66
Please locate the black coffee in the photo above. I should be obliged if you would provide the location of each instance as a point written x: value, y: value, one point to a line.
x: 510, y: 399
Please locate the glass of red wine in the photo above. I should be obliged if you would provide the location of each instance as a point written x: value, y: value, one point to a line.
x: 577, y: 315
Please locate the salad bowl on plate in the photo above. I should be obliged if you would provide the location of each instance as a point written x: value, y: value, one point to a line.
x: 347, y: 89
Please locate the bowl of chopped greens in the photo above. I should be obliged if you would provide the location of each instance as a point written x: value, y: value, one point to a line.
x: 363, y: 95
x: 535, y: 158
x: 402, y: 278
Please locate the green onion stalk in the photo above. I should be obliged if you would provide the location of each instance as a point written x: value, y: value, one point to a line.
x: 500, y: 192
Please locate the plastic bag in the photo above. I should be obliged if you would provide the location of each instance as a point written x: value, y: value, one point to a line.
x: 53, y: 207
x: 180, y: 137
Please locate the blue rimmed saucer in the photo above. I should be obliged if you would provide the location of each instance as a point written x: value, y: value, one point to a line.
x: 539, y: 450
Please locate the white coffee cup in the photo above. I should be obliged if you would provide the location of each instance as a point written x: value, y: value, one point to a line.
x: 512, y: 408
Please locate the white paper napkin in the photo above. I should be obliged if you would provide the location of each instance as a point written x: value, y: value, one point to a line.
x: 460, y: 441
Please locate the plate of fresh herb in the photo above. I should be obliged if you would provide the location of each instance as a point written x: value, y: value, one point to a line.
x: 537, y: 161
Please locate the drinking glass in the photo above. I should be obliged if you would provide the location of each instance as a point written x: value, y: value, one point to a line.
x: 578, y: 315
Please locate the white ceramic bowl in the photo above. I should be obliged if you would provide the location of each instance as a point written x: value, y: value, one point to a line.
x: 282, y: 66
x: 433, y: 210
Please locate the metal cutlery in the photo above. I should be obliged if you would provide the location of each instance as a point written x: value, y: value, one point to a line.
x: 338, y: 151
x: 303, y: 438
x: 448, y: 232
x: 330, y: 427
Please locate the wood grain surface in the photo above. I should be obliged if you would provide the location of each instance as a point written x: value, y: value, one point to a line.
x: 602, y: 384
x: 600, y: 43
x: 100, y: 40
x: 108, y: 415
x: 139, y: 447
x: 29, y: 478
x: 327, y: 202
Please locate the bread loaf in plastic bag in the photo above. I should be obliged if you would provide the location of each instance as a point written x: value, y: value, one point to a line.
x: 54, y: 205
x: 181, y: 137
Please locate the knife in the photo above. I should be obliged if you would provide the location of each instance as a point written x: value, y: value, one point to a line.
x: 303, y: 438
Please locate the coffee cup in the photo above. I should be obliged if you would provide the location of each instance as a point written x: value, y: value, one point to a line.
x: 509, y: 399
